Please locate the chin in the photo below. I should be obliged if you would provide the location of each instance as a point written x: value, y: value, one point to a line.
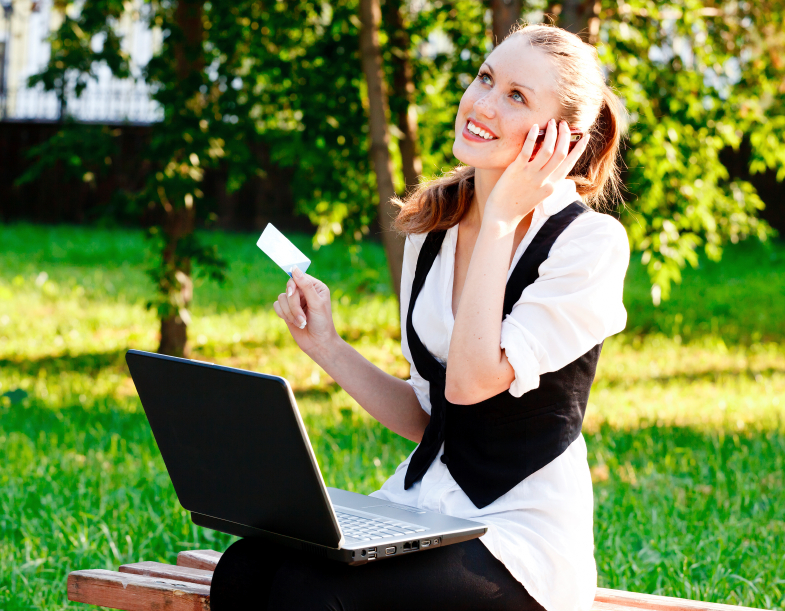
x: 471, y: 157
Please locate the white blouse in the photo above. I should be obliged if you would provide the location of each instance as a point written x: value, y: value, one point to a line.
x: 542, y: 529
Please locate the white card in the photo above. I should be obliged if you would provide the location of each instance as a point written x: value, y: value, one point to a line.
x: 276, y: 246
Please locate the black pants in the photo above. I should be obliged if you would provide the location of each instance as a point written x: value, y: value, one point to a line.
x: 255, y: 574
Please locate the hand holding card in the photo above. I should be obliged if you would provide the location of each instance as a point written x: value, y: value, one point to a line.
x: 276, y: 246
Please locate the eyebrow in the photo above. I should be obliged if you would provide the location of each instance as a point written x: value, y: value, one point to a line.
x: 490, y: 68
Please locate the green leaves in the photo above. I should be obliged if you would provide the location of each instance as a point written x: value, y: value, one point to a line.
x: 688, y: 78
x: 73, y: 57
x: 261, y: 86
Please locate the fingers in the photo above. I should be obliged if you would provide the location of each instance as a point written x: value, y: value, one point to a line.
x: 571, y: 159
x: 284, y: 311
x: 303, y: 293
x: 312, y: 289
x: 548, y: 145
x: 293, y: 300
x: 528, y: 144
x: 557, y: 143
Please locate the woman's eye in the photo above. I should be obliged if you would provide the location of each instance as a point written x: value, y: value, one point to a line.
x: 484, y: 76
x: 517, y: 97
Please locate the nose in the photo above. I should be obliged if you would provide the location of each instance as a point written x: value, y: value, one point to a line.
x: 486, y: 105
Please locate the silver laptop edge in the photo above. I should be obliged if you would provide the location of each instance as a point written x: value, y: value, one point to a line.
x: 435, y: 529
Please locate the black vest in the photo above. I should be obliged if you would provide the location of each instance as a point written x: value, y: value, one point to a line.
x: 492, y: 446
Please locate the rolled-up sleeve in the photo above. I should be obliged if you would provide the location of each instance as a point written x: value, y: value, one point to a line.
x: 411, y: 253
x: 574, y: 304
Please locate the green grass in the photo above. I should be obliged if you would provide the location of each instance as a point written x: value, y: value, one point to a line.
x: 685, y: 426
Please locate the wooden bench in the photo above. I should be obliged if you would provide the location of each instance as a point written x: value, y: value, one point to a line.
x: 149, y: 586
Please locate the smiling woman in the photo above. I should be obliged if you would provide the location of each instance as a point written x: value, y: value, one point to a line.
x: 510, y: 285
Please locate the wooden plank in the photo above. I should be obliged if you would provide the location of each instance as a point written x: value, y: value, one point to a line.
x: 633, y: 600
x: 601, y: 606
x: 136, y: 592
x: 205, y: 559
x: 168, y: 571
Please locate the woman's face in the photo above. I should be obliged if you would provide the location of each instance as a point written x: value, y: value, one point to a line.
x: 515, y: 88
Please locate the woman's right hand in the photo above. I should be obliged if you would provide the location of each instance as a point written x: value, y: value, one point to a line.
x: 306, y: 310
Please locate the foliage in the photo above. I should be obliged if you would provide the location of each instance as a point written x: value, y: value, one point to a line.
x: 85, y: 151
x: 695, y: 78
x: 73, y: 56
x: 290, y: 77
x: 685, y: 426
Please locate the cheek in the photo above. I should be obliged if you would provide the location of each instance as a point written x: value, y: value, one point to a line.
x: 467, y: 101
x: 518, y: 128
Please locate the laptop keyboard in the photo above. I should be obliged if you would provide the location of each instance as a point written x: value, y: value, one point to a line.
x: 365, y: 529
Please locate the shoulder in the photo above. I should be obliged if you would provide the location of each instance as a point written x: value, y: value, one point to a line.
x: 593, y: 231
x: 412, y: 248
x: 593, y: 246
x: 414, y: 244
x: 414, y: 241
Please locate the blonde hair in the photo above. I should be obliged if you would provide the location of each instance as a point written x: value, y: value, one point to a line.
x: 587, y: 104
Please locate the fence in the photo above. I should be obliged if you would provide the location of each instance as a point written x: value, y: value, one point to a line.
x: 126, y: 102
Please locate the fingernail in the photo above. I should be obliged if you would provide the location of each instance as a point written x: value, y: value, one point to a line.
x: 533, y: 131
x: 296, y: 272
x: 289, y: 291
x: 301, y: 322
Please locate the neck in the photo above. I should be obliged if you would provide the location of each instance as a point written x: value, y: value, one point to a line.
x: 484, y: 182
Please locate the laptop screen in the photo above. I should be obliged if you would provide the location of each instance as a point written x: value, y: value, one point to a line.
x: 234, y: 446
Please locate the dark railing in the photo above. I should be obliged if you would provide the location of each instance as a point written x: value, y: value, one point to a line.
x: 119, y: 103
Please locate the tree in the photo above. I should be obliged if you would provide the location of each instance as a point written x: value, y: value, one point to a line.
x: 505, y: 15
x: 370, y: 16
x: 289, y: 77
x: 402, y: 99
x: 253, y: 94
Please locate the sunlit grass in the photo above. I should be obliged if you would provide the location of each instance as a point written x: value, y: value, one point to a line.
x: 685, y: 422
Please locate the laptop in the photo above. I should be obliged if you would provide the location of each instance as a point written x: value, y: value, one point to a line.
x: 239, y: 457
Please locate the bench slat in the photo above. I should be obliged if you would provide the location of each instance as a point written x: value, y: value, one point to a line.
x: 205, y: 559
x: 168, y: 571
x: 651, y: 602
x: 130, y: 592
x: 145, y: 586
x: 602, y: 606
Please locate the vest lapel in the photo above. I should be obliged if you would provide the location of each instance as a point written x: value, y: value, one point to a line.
x: 525, y: 273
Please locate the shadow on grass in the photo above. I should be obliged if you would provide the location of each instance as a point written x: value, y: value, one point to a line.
x: 709, y: 374
x: 90, y: 363
x: 678, y: 511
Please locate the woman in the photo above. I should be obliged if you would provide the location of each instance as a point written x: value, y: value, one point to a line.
x: 510, y: 285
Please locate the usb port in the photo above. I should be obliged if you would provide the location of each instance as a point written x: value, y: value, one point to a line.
x: 391, y: 550
x: 425, y: 542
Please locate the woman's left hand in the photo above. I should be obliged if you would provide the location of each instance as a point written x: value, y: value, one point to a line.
x: 525, y: 183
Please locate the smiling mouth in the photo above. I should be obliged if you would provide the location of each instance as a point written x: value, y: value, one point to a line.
x: 477, y: 131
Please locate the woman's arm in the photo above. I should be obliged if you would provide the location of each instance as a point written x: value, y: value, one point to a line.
x: 390, y: 400
x: 306, y: 309
x: 477, y: 368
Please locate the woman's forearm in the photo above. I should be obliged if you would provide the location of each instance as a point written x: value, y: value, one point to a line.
x: 388, y: 399
x: 477, y: 367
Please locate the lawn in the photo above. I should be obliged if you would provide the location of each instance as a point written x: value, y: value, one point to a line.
x: 686, y: 426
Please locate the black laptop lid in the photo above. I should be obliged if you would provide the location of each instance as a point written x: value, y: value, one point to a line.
x: 234, y: 446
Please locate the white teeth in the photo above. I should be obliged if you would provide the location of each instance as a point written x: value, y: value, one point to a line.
x: 479, y: 132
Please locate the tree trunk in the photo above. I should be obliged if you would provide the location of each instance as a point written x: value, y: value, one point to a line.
x: 370, y: 15
x: 581, y: 17
x: 402, y: 98
x: 175, y: 278
x: 506, y: 14
x: 176, y: 282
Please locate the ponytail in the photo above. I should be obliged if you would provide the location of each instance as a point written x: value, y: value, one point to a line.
x: 587, y: 104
